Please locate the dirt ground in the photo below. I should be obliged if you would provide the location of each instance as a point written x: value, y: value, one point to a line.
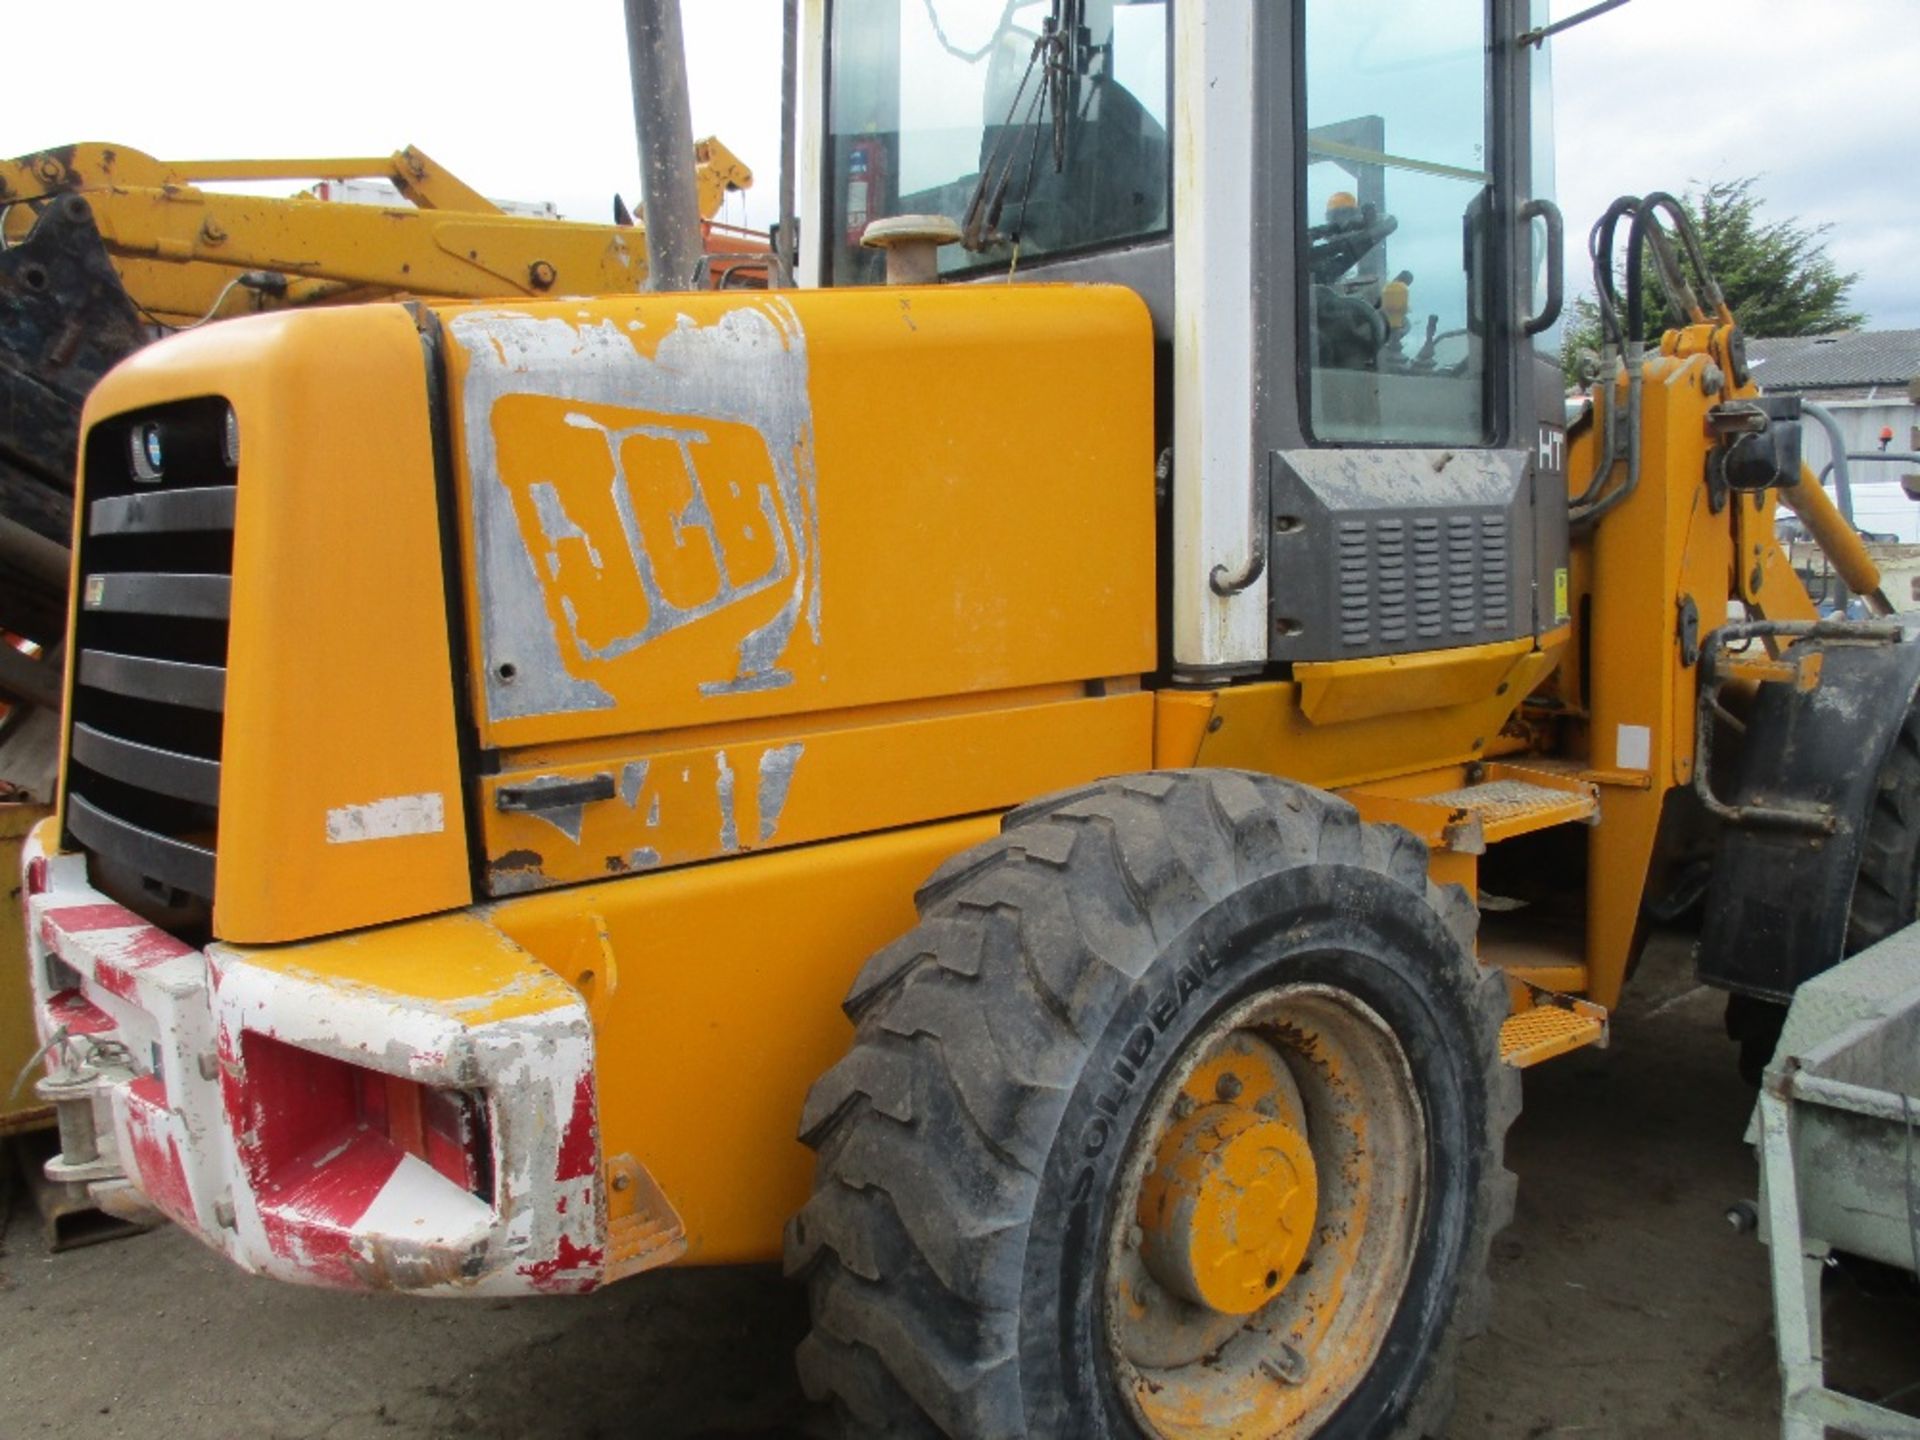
x: 1626, y: 1306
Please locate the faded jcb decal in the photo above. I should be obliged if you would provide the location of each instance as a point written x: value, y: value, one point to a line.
x: 692, y: 518
x: 640, y: 503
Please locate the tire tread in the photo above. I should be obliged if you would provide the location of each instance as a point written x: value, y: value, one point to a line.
x: 884, y: 1237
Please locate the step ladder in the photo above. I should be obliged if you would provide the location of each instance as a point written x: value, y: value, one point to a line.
x: 1459, y: 821
x: 1496, y: 803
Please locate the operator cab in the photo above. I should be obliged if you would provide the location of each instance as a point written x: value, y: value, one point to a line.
x: 1350, y: 250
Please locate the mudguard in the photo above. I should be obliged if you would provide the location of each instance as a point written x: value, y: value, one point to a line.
x: 1776, y: 909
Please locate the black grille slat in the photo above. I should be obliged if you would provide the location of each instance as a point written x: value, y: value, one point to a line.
x: 179, y: 597
x: 207, y: 507
x: 165, y: 772
x: 179, y: 863
x: 149, y: 697
x: 169, y: 682
x: 1495, y: 571
x: 1390, y: 585
x: 1356, y: 584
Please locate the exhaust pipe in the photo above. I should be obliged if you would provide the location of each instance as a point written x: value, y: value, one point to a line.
x: 657, y: 56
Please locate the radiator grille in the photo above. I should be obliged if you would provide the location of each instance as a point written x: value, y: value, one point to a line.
x: 149, y: 695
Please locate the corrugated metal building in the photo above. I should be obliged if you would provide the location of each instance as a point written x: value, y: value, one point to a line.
x: 1867, y: 379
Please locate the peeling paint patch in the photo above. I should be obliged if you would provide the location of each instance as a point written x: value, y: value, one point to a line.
x: 633, y: 779
x: 572, y: 1268
x: 567, y: 819
x: 723, y: 789
x: 73, y: 1012
x: 580, y: 1144
x: 389, y: 819
x: 776, y: 778
x: 118, y: 961
x: 75, y: 919
x: 515, y: 872
x: 557, y: 525
x: 155, y: 1160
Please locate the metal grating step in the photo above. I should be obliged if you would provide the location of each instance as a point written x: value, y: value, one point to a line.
x: 1502, y: 801
x: 1545, y: 1031
x: 1514, y: 807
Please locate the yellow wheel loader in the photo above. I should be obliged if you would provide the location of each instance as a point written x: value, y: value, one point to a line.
x: 992, y: 787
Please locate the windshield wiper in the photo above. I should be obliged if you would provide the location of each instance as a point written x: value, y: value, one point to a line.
x: 1061, y: 56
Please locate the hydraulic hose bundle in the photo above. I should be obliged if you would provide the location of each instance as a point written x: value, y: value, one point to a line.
x: 1622, y: 325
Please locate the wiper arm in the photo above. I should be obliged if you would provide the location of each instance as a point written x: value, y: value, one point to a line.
x: 979, y: 226
x: 1063, y: 55
x: 1072, y: 59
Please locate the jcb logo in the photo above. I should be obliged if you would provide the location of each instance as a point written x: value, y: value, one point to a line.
x: 645, y: 526
x: 644, y: 508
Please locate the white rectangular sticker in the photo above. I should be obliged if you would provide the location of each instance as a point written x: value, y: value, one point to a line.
x: 1633, y: 747
x: 387, y: 819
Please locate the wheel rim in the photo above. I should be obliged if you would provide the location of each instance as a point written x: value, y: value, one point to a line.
x: 1266, y: 1228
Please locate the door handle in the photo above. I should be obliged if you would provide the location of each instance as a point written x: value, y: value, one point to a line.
x: 553, y: 792
x: 1556, y: 262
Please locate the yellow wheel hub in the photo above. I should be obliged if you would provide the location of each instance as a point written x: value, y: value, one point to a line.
x: 1270, y: 1222
x: 1227, y: 1210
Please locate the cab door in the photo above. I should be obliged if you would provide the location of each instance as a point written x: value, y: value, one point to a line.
x: 1415, y: 503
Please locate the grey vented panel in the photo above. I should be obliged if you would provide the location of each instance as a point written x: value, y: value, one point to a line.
x: 1381, y: 552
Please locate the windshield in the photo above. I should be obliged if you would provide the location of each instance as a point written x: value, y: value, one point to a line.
x: 1038, y: 125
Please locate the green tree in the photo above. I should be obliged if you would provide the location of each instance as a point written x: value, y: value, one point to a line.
x: 1777, y: 274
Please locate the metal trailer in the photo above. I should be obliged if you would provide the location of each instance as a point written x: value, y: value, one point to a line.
x: 1838, y: 1127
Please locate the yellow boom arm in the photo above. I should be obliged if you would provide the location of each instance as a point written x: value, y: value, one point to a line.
x: 179, y: 247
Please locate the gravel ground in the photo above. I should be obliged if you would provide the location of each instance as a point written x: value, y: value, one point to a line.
x: 1626, y: 1307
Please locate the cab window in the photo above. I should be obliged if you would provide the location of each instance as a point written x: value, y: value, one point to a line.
x: 1395, y: 221
x: 939, y: 106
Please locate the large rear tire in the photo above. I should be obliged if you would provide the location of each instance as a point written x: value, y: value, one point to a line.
x: 1886, y: 897
x: 1886, y: 892
x: 1180, y: 1113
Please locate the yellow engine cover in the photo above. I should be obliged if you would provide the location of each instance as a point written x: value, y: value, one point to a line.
x: 777, y: 567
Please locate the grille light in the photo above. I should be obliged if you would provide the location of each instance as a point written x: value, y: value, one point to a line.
x: 230, y: 440
x: 149, y: 452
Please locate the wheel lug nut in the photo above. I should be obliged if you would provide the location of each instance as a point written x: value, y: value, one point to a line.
x: 1228, y: 1086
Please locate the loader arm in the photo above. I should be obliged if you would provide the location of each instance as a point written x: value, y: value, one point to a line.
x: 179, y: 247
x: 103, y: 247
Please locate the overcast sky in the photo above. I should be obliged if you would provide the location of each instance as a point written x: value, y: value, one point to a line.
x: 1822, y: 101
